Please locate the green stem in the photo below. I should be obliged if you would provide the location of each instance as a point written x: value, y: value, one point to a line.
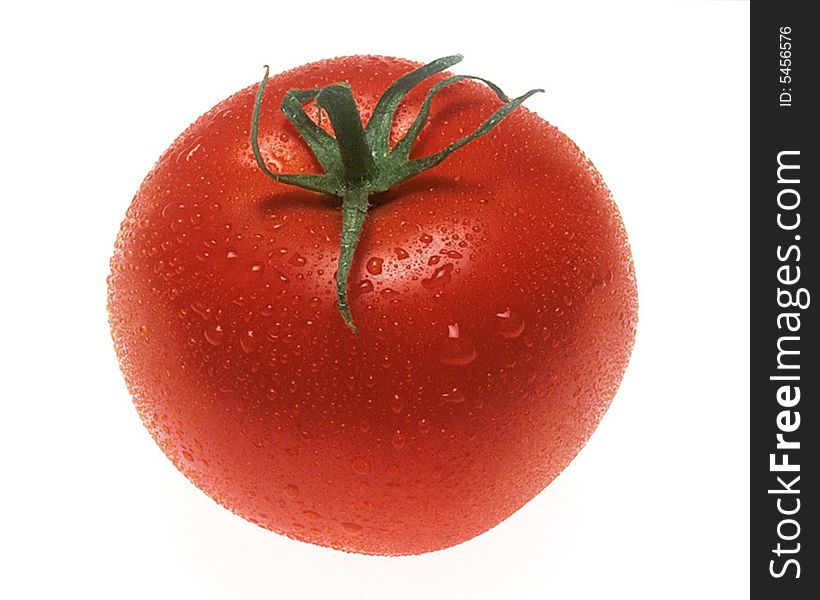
x: 358, y: 161
x: 354, y: 212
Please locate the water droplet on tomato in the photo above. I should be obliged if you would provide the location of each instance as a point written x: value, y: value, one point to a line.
x: 457, y: 350
x: 363, y: 287
x: 398, y: 440
x: 360, y: 466
x: 171, y: 209
x: 440, y: 277
x: 298, y: 260
x: 214, y: 334
x: 426, y: 238
x: 291, y: 490
x: 452, y: 254
x: 231, y: 254
x: 401, y: 253
x: 374, y: 265
x: 509, y: 324
x: 188, y: 152
x: 396, y: 404
x: 248, y: 342
x: 454, y: 396
x: 352, y: 528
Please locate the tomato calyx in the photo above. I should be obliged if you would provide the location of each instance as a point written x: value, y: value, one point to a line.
x: 358, y: 161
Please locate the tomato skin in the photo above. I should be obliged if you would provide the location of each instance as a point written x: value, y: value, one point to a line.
x: 494, y: 295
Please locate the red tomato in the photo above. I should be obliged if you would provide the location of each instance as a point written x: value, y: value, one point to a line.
x: 494, y: 296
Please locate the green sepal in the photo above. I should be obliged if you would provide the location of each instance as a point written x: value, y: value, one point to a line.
x: 381, y: 121
x: 324, y: 184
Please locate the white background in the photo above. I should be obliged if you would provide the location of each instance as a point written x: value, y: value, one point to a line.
x: 656, y: 505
